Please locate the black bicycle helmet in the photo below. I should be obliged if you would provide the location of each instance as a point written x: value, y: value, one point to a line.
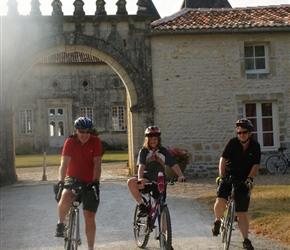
x: 152, y: 131
x: 245, y: 123
x: 84, y: 123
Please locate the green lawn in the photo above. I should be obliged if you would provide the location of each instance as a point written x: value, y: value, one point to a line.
x: 22, y: 161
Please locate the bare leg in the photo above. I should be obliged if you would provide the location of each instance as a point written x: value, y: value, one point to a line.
x: 243, y: 223
x: 219, y: 208
x: 134, y: 188
x: 64, y: 204
x: 90, y: 227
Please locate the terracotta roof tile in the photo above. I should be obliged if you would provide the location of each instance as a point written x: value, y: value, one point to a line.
x: 238, y: 18
x: 75, y: 57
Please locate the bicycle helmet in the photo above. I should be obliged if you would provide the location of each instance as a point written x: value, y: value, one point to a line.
x: 152, y: 131
x: 245, y: 123
x: 83, y: 123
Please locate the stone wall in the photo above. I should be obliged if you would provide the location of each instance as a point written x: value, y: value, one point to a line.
x: 200, y: 88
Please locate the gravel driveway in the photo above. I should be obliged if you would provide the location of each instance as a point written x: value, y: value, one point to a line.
x: 28, y: 215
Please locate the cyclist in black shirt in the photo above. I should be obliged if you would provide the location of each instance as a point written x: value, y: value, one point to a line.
x: 240, y: 159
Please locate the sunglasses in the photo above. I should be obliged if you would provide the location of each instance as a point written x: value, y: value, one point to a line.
x: 83, y: 131
x: 243, y: 132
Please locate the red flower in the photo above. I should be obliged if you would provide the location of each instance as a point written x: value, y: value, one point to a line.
x: 180, y: 155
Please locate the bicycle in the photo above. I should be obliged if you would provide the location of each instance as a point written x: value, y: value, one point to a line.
x: 278, y: 164
x: 227, y: 220
x: 72, y: 238
x: 143, y: 226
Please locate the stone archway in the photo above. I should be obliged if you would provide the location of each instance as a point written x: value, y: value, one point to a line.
x: 138, y: 82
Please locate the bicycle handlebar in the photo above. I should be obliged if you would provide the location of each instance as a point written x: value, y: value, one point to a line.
x: 150, y: 182
x: 78, y: 185
x: 95, y: 192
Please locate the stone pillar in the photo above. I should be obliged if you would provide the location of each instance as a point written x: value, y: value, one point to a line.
x: 142, y: 7
x: 35, y: 11
x: 121, y: 7
x: 12, y: 8
x: 79, y: 10
x: 56, y: 8
x: 100, y: 7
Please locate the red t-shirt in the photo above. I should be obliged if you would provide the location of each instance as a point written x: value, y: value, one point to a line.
x: 81, y: 165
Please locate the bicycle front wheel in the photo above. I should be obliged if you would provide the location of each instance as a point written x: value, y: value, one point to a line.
x: 141, y: 229
x: 76, y: 239
x: 229, y: 221
x: 276, y: 165
x: 70, y: 228
x: 165, y: 233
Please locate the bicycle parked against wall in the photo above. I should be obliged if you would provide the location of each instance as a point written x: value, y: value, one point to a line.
x: 157, y: 212
x: 72, y: 238
x: 227, y: 220
x: 277, y: 164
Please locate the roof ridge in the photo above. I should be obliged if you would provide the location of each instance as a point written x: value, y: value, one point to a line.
x: 225, y: 18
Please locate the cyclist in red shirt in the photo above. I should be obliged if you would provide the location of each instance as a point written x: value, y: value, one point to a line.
x: 81, y: 159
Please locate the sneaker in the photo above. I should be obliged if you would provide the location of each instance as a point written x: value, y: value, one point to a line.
x: 59, y: 230
x: 142, y: 210
x: 247, y: 244
x: 216, y: 228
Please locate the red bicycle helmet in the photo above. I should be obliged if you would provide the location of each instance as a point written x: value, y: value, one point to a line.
x: 152, y: 131
x: 245, y: 123
x: 84, y: 123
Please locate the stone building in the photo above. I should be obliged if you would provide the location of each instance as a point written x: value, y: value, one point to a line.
x: 221, y: 65
x: 193, y: 74
x: 60, y: 88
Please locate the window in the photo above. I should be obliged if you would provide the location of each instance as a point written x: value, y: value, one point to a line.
x: 86, y: 112
x: 25, y: 117
x: 263, y: 117
x: 118, y: 118
x: 256, y: 59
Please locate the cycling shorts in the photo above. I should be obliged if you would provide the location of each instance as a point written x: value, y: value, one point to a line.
x: 88, y: 197
x: 242, y: 198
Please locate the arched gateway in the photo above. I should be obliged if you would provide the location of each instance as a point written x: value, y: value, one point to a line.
x: 122, y: 41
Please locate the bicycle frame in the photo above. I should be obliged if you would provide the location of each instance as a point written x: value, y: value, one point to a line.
x: 159, y: 212
x: 72, y: 237
x: 227, y: 220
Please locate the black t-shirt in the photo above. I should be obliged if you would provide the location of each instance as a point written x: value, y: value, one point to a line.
x: 239, y: 163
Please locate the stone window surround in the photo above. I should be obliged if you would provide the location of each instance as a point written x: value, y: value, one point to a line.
x: 241, y: 99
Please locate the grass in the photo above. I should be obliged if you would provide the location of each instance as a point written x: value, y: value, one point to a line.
x: 269, y: 211
x: 22, y: 161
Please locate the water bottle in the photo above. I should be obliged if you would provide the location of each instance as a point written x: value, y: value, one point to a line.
x: 160, y: 181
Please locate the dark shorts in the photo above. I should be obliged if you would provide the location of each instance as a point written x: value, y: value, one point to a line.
x: 241, y: 195
x: 88, y: 198
x: 154, y: 189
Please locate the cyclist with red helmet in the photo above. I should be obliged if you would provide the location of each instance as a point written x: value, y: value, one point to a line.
x: 152, y: 158
x: 81, y: 159
x: 240, y: 159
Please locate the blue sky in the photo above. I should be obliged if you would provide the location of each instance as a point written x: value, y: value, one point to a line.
x: 162, y: 6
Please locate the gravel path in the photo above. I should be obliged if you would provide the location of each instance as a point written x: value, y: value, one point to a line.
x: 191, y: 220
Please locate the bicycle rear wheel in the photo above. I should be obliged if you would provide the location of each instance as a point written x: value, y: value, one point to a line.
x: 165, y: 233
x: 141, y: 229
x: 276, y: 165
x: 229, y: 221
